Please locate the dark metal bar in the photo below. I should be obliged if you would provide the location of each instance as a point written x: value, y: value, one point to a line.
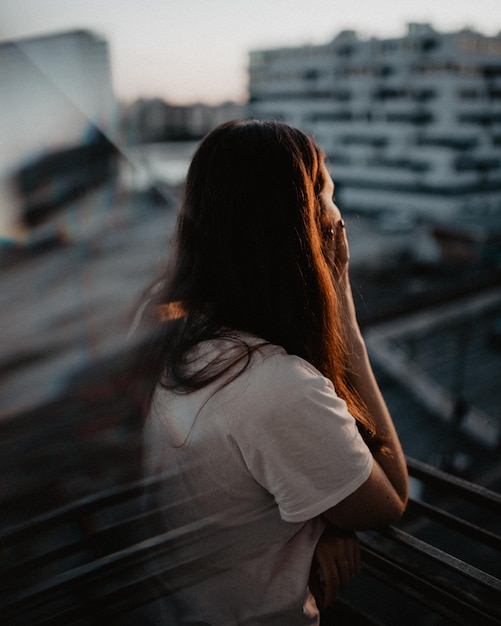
x: 455, y: 523
x: 424, y: 588
x: 72, y: 511
x: 439, y: 556
x: 468, y: 490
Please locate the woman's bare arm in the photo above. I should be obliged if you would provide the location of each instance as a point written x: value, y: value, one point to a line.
x: 383, y: 497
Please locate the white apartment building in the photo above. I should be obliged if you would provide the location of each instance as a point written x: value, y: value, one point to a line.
x: 410, y: 125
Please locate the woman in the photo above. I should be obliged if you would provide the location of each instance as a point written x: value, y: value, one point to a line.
x: 265, y: 420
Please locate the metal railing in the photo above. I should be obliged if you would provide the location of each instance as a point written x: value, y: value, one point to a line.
x: 96, y: 560
x: 446, y: 587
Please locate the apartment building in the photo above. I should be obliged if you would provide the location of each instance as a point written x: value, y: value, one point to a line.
x: 53, y: 88
x: 56, y: 94
x: 155, y: 120
x: 411, y: 126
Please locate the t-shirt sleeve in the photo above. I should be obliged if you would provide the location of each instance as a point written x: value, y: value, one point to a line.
x: 299, y: 442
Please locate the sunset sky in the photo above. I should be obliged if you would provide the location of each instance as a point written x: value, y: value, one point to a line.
x: 197, y: 50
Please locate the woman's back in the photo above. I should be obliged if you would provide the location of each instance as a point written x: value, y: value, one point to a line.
x: 248, y: 468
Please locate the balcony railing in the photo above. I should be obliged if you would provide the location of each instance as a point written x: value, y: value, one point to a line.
x: 93, y: 560
x: 442, y: 583
x: 95, y: 557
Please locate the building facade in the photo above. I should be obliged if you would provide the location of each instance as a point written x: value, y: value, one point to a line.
x: 411, y: 126
x: 54, y: 87
x: 155, y: 120
x: 56, y: 93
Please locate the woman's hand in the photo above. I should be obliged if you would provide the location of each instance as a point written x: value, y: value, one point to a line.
x: 340, y: 271
x: 335, y: 563
x: 341, y: 251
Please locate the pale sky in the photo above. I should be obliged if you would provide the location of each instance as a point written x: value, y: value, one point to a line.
x: 197, y: 50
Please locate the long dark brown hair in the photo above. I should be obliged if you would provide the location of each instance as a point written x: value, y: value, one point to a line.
x: 249, y: 255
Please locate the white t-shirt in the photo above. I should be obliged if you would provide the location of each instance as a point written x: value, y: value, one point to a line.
x: 248, y: 468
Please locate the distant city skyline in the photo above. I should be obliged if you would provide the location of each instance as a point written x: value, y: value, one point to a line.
x: 197, y: 50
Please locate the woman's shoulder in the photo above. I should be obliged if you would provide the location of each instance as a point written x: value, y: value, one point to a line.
x: 265, y: 358
x: 274, y: 376
x: 282, y: 395
x: 257, y: 372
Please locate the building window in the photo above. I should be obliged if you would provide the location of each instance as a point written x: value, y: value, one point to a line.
x: 492, y: 71
x: 311, y: 74
x: 456, y: 143
x: 386, y: 70
x: 483, y: 119
x: 416, y: 118
x: 466, y: 164
x: 345, y: 51
x: 364, y: 140
x: 468, y: 94
x: 399, y: 164
x: 429, y: 43
x: 334, y: 116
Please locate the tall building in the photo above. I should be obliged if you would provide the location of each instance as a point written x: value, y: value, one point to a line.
x: 410, y: 125
x: 53, y: 87
x: 55, y: 91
